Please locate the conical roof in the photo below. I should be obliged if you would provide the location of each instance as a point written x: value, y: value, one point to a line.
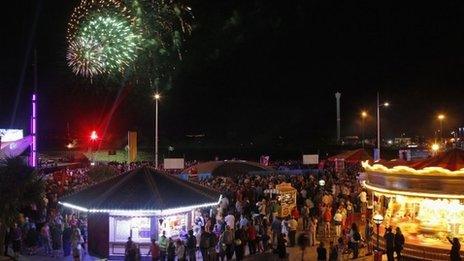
x: 141, y: 189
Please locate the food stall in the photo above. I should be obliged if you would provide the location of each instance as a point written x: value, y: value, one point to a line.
x: 286, y: 198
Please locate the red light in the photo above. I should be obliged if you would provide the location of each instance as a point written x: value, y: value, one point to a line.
x: 93, y: 136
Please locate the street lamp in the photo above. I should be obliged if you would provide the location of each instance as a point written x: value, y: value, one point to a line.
x: 435, y: 147
x: 441, y: 118
x: 385, y: 104
x: 363, y: 118
x: 157, y: 97
x: 378, y: 219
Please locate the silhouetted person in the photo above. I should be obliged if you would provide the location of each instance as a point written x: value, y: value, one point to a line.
x: 399, y: 243
x: 390, y: 243
x: 455, y: 249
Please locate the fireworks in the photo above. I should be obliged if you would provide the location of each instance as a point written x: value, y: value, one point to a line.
x: 108, y: 36
x: 102, y: 38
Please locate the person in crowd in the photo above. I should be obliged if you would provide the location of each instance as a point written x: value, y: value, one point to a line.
x: 76, y: 241
x: 67, y: 233
x: 154, y: 250
x: 333, y: 251
x: 340, y: 248
x: 292, y: 227
x: 180, y: 250
x: 355, y: 239
x: 305, y: 216
x: 16, y: 235
x: 281, y: 246
x: 252, y: 238
x: 191, y: 246
x: 172, y: 250
x: 276, y: 228
x: 399, y: 243
x: 45, y: 239
x: 163, y: 245
x: 389, y: 243
x: 128, y: 249
x: 313, y: 231
x: 455, y: 253
x: 295, y: 213
x: 321, y: 252
x: 227, y: 239
x: 240, y: 243
x: 205, y: 243
x: 338, y: 217
x: 368, y: 233
x: 327, y: 218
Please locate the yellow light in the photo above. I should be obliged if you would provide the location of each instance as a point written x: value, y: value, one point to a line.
x: 391, y: 192
x: 386, y: 104
x: 435, y: 147
x: 431, y: 171
x: 364, y: 114
x: 157, y: 96
x: 441, y: 117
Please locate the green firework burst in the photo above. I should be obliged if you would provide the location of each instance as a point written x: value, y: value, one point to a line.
x: 105, y: 42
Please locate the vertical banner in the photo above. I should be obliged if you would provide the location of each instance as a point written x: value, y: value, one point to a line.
x: 132, y: 144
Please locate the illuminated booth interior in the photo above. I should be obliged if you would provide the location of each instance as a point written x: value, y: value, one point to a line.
x: 424, y: 198
x: 141, y: 204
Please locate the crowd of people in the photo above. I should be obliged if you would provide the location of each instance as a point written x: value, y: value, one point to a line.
x: 248, y: 220
x: 331, y: 215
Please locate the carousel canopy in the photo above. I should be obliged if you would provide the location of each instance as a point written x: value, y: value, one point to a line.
x: 141, y: 189
x: 352, y: 156
x: 451, y: 160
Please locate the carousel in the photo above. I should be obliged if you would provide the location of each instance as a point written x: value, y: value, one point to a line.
x: 424, y: 198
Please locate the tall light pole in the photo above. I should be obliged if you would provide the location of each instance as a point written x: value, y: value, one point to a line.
x: 385, y: 104
x: 363, y: 118
x: 157, y: 96
x: 441, y: 118
x: 337, y: 97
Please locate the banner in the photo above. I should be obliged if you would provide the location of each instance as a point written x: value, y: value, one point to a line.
x: 174, y: 163
x: 310, y: 159
x: 132, y: 144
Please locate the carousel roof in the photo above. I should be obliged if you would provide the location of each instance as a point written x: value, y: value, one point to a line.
x: 451, y: 161
x: 357, y: 155
x: 141, y: 189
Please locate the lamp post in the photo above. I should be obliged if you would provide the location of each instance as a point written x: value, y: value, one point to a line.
x: 378, y: 219
x: 385, y: 104
x: 441, y: 117
x: 157, y: 96
x: 363, y: 118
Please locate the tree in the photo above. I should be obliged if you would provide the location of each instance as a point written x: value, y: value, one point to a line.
x: 20, y: 186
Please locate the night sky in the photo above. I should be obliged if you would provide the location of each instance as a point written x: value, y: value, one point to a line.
x: 254, y: 71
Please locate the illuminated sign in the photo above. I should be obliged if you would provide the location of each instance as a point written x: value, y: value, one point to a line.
x: 8, y: 135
